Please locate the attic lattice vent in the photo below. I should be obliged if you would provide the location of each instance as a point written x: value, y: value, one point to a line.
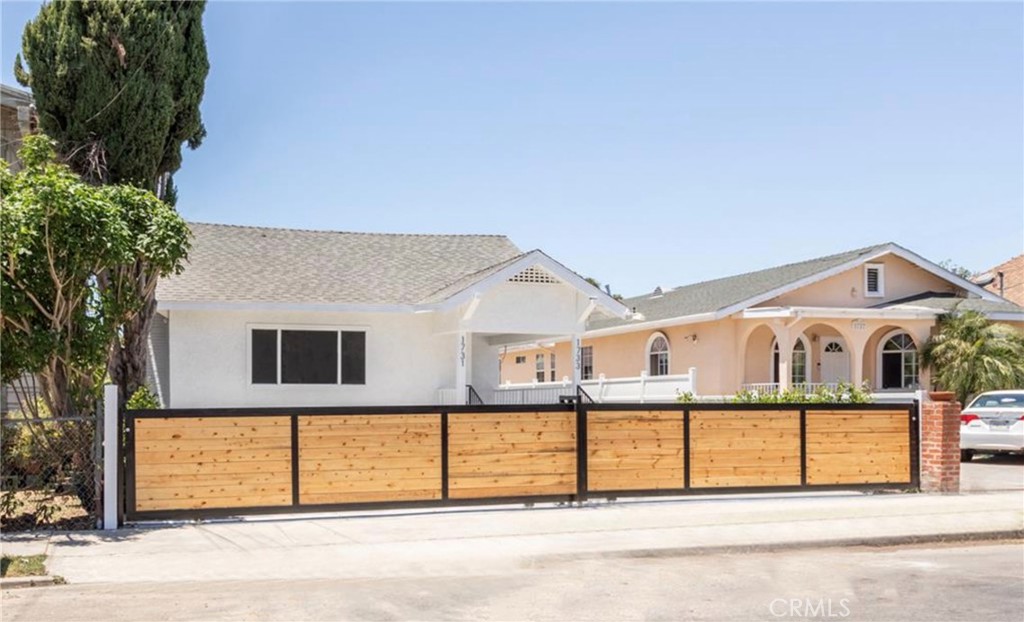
x: 533, y: 274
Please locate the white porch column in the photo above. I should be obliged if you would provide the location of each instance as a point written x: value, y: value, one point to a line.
x: 463, y: 363
x: 577, y: 360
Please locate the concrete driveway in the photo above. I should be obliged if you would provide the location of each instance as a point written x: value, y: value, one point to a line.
x: 990, y: 473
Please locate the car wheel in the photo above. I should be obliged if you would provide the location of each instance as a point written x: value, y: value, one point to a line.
x: 966, y: 455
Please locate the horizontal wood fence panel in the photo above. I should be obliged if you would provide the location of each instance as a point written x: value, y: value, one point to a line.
x: 732, y: 448
x: 361, y: 458
x: 511, y: 455
x: 858, y: 447
x: 635, y: 450
x: 189, y: 463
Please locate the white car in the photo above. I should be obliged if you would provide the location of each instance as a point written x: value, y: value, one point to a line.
x: 993, y: 423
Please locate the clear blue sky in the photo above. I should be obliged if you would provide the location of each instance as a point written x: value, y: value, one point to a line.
x: 642, y: 144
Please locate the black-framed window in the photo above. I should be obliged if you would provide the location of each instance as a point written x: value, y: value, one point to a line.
x: 308, y: 356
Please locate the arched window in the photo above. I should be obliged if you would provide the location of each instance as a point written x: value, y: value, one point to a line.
x: 898, y: 364
x: 798, y: 373
x: 658, y: 355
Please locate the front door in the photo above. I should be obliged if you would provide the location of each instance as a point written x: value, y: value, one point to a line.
x: 835, y: 360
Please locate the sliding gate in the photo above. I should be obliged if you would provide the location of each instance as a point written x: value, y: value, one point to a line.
x: 195, y: 462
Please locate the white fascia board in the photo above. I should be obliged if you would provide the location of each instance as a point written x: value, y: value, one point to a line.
x: 199, y: 305
x: 625, y: 328
x: 537, y: 258
x: 944, y: 274
x: 1005, y: 316
x: 652, y: 325
x: 920, y: 313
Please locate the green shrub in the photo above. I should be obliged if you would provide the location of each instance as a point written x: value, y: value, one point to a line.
x: 143, y: 399
x: 686, y: 397
x: 844, y: 393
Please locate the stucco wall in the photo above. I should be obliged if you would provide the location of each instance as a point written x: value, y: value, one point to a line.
x: 406, y: 363
x: 619, y: 356
x: 902, y: 279
x: 716, y: 351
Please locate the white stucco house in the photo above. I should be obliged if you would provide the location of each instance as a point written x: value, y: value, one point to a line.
x: 285, y: 317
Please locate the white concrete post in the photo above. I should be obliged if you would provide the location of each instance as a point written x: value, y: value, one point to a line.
x: 110, y: 457
x: 693, y: 380
x: 643, y: 385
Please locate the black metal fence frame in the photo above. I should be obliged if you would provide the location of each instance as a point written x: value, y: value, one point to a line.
x: 580, y: 406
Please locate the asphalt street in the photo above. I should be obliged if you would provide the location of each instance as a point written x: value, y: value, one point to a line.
x: 976, y: 582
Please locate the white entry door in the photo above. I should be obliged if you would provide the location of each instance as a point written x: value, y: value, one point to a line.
x: 835, y: 360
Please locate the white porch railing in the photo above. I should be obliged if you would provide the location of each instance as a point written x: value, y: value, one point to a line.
x: 451, y: 396
x: 773, y: 387
x: 642, y: 388
x: 533, y: 392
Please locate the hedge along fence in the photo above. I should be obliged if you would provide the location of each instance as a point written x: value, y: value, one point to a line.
x: 232, y: 461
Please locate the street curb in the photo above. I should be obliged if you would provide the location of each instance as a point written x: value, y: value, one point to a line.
x: 880, y: 542
x: 15, y: 582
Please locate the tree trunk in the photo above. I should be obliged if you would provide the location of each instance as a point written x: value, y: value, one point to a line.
x: 129, y: 354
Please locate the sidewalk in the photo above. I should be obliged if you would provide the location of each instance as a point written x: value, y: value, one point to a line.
x: 484, y: 541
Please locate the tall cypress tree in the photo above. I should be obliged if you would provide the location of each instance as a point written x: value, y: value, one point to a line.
x: 117, y: 83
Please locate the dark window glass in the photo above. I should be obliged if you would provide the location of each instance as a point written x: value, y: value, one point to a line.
x: 892, y: 370
x: 264, y: 357
x: 309, y: 357
x: 353, y: 357
x: 587, y: 362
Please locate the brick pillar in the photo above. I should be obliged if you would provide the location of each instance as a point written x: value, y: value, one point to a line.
x: 940, y: 443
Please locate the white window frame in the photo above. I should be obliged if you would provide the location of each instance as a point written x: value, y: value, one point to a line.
x: 668, y: 353
x: 539, y: 370
x: 881, y: 350
x: 584, y: 351
x: 320, y: 327
x: 881, y: 280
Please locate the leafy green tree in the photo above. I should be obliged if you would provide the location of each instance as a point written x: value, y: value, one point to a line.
x: 971, y: 354
x: 118, y: 85
x: 957, y: 269
x: 60, y: 238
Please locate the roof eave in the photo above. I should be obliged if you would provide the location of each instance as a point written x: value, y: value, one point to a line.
x: 919, y: 313
x: 232, y: 305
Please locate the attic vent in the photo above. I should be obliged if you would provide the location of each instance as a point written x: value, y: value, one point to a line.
x: 533, y: 274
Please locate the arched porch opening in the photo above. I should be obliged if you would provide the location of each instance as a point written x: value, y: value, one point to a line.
x: 892, y: 358
x: 757, y: 358
x: 831, y: 354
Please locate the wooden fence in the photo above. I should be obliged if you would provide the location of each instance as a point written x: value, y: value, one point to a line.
x: 232, y: 461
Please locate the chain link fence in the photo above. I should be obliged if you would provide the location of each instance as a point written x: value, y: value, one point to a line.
x: 50, y: 472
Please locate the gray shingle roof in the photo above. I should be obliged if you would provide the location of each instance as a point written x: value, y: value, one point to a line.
x: 231, y: 263
x: 711, y: 296
x: 948, y: 303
